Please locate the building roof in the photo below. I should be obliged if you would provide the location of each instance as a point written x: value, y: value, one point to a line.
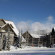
x: 14, y: 27
x: 54, y: 28
x: 35, y: 35
x: 6, y: 25
x: 23, y: 39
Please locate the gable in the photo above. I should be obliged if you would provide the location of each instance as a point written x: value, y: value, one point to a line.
x: 2, y: 22
x: 11, y: 24
x: 13, y: 27
x: 6, y: 27
x: 26, y: 34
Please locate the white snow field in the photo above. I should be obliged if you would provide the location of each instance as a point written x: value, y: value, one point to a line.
x: 29, y: 49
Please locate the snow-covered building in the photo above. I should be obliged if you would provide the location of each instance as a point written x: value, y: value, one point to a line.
x: 40, y: 38
x: 8, y: 31
x: 33, y: 39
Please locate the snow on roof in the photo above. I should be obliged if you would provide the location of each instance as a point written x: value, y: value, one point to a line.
x: 23, y: 40
x: 54, y: 28
x: 35, y: 35
x: 14, y: 27
x: 3, y: 26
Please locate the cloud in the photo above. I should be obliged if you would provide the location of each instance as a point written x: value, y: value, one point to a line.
x: 50, y: 18
x: 23, y: 26
x: 44, y: 26
x: 37, y: 25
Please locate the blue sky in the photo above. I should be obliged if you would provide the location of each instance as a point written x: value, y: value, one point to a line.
x: 27, y: 10
x: 36, y: 14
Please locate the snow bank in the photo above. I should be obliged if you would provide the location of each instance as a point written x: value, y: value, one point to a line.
x: 29, y: 49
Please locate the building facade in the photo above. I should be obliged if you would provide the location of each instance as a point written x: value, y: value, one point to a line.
x: 33, y: 39
x: 7, y: 33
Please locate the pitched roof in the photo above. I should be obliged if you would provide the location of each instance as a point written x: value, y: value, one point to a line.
x: 23, y: 39
x: 11, y: 24
x: 4, y: 26
x: 34, y: 35
x: 54, y: 28
x: 14, y: 27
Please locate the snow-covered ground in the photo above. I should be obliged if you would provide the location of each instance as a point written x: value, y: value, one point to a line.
x: 29, y: 49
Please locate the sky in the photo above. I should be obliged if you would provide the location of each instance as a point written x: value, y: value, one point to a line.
x: 34, y: 14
